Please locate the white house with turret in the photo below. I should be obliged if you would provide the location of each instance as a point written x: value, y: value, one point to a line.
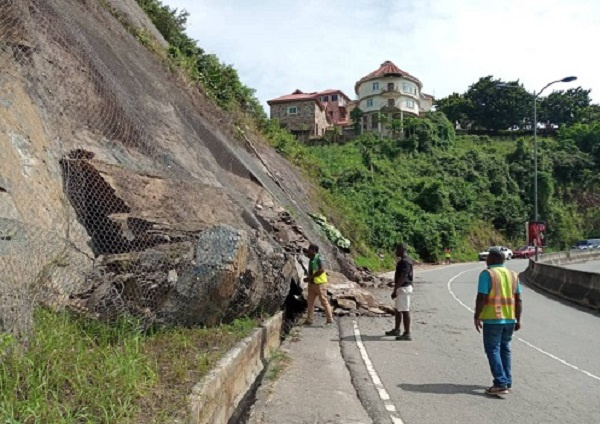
x: 392, y: 92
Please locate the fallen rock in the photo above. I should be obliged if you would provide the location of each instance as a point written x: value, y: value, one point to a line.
x: 348, y: 295
x: 345, y: 303
x: 387, y: 309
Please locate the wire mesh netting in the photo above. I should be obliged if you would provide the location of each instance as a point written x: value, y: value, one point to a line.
x: 114, y: 196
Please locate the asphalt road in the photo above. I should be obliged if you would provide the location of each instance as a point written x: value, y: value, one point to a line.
x: 440, y: 376
x: 593, y: 266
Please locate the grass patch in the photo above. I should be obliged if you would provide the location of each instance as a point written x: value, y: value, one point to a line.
x: 76, y: 370
x: 279, y: 363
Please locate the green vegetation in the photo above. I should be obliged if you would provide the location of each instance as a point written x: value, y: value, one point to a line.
x: 495, y: 105
x: 333, y: 234
x: 278, y: 363
x: 432, y: 189
x: 80, y: 370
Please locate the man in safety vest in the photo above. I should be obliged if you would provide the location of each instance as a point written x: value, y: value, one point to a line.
x: 498, y: 311
x: 317, y: 284
x: 448, y: 255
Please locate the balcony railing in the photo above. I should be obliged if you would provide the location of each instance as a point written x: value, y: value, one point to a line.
x: 390, y: 90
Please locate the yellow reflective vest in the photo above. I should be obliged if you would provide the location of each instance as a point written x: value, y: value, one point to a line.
x: 314, y: 266
x: 500, y: 302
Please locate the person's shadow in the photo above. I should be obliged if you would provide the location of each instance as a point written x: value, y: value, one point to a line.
x: 445, y: 389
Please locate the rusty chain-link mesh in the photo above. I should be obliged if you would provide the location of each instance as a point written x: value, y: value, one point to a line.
x: 106, y: 206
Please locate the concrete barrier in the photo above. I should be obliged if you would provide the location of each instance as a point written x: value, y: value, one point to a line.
x: 570, y: 257
x: 581, y: 287
x: 217, y: 396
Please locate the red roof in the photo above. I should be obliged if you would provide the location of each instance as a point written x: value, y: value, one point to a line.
x: 332, y: 91
x: 299, y: 95
x: 387, y: 68
x: 296, y: 95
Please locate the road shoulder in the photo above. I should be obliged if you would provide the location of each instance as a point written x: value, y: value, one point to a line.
x: 314, y: 385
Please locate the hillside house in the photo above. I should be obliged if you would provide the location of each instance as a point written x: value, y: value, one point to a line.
x: 391, y: 91
x: 308, y: 115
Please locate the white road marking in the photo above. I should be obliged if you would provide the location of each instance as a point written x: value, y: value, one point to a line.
x: 562, y: 361
x: 548, y: 354
x: 383, y: 394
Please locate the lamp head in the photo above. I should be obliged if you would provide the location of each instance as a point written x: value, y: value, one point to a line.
x: 568, y: 79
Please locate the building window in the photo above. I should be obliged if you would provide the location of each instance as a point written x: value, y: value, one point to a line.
x: 334, y: 97
x: 325, y: 98
x: 292, y: 110
x: 391, y: 103
x: 391, y: 86
x: 410, y: 104
x: 373, y: 122
x: 375, y: 86
x: 409, y: 88
x: 369, y: 102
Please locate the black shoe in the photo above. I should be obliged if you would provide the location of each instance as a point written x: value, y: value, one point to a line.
x: 405, y: 336
x: 392, y: 333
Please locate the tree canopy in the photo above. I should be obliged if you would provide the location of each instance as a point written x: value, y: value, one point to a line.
x: 494, y: 105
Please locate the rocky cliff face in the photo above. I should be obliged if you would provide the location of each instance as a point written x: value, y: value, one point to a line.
x: 122, y: 189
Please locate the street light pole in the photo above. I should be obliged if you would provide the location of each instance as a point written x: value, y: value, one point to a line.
x: 535, y: 155
x: 535, y: 162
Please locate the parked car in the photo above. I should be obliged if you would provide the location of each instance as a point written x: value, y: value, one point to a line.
x: 526, y: 252
x: 594, y: 243
x: 508, y: 254
x: 587, y: 244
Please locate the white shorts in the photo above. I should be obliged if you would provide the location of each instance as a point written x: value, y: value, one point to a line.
x: 403, y: 295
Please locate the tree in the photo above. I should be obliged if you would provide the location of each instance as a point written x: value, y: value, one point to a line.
x: 423, y: 134
x: 498, y: 105
x: 356, y: 116
x: 591, y: 114
x: 396, y: 127
x: 335, y: 133
x: 456, y: 107
x: 169, y: 22
x: 565, y: 107
x: 585, y: 136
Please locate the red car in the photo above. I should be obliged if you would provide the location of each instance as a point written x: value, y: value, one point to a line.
x: 526, y: 252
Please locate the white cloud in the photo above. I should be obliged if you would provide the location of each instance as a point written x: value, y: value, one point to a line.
x: 280, y: 45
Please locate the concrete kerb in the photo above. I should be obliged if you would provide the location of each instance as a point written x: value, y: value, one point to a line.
x: 217, y: 396
x: 580, y: 287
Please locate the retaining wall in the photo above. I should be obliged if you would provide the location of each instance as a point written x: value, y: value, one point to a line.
x: 216, y: 397
x: 581, y: 287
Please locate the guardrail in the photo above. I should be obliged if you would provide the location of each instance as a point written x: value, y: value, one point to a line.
x: 581, y: 287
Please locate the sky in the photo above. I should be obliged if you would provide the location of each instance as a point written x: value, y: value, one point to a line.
x: 279, y: 46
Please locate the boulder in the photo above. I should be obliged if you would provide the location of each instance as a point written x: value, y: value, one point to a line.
x: 345, y: 304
